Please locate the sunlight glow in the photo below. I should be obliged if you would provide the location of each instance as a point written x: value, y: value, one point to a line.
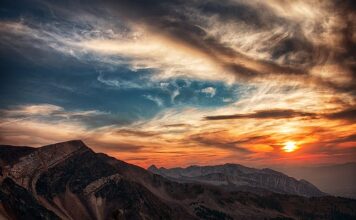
x: 290, y: 146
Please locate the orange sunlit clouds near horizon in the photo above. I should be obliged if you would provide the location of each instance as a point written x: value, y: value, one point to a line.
x: 183, y: 84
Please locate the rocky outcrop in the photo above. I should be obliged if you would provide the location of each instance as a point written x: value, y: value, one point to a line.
x: 26, y: 170
x: 10, y: 154
x: 238, y: 176
x: 70, y: 181
x: 20, y: 204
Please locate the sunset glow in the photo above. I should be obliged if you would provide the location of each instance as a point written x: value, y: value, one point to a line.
x: 177, y: 84
x: 290, y: 146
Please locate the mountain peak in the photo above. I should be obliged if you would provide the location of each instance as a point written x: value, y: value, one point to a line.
x: 45, y: 157
x: 152, y: 168
x: 70, y: 142
x: 78, y: 142
x: 66, y: 147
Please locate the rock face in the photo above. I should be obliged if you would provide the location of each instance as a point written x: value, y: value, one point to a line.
x: 240, y: 177
x: 70, y: 181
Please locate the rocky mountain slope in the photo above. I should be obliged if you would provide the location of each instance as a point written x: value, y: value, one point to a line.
x: 69, y: 181
x: 240, y: 177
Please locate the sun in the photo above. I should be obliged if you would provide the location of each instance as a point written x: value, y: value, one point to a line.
x: 290, y: 146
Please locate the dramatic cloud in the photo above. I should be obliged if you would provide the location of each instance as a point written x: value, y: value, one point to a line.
x: 304, y: 36
x: 182, y: 82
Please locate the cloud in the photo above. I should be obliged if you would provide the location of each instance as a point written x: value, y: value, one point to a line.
x: 286, y: 60
x: 54, y: 113
x: 181, y: 132
x: 209, y: 91
x: 349, y: 138
x: 346, y: 114
x: 136, y: 133
x: 227, y: 100
x: 215, y: 143
x: 45, y: 110
x: 120, y: 83
x: 117, y: 147
x: 265, y: 114
x: 176, y: 125
x: 33, y: 110
x: 230, y: 41
x: 295, y: 50
x: 159, y: 102
x: 252, y: 139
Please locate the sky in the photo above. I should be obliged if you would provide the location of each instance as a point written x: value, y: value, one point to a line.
x: 176, y: 83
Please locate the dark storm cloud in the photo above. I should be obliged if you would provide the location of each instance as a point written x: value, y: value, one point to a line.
x: 265, y: 114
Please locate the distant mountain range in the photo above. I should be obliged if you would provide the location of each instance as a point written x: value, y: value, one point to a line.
x: 238, y: 177
x: 339, y: 179
x: 69, y: 181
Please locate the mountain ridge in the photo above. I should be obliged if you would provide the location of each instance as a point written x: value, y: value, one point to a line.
x: 337, y: 179
x: 74, y: 182
x: 240, y: 176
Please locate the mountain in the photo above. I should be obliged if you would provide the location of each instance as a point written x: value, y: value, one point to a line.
x: 240, y: 177
x: 70, y: 181
x: 338, y: 179
x: 10, y: 154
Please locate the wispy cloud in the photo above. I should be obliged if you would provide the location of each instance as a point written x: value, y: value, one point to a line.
x: 226, y: 46
x: 57, y: 114
x: 259, y: 72
x: 159, y: 102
